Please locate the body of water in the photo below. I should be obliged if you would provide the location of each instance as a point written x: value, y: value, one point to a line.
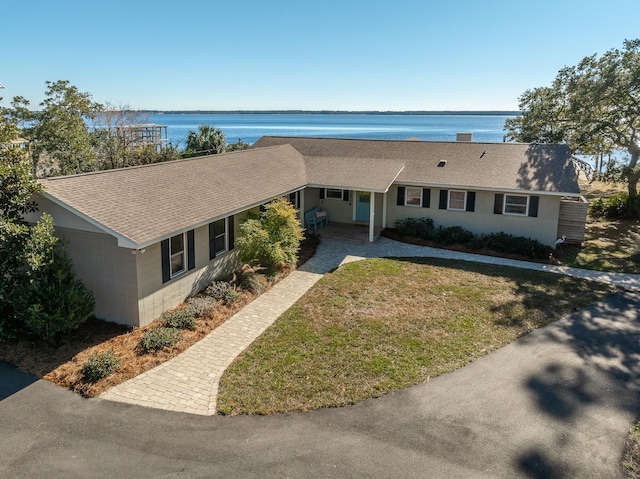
x: 251, y: 126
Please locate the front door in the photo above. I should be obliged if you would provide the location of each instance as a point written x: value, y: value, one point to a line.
x: 363, y: 206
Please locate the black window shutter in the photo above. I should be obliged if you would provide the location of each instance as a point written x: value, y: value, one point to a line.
x: 345, y: 195
x: 444, y: 196
x: 426, y: 198
x: 191, y: 250
x: 533, y: 206
x: 400, y: 200
x: 232, y: 233
x: 471, y: 201
x: 212, y: 242
x: 322, y: 193
x: 498, y: 204
x: 164, y: 251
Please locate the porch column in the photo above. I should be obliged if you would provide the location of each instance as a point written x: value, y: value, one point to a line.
x: 372, y: 215
x: 301, y: 206
x: 384, y: 210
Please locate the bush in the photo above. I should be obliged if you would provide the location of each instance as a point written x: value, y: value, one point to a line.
x: 422, y: 228
x: 249, y: 279
x: 158, y: 338
x: 201, y: 305
x: 179, y: 318
x: 453, y: 235
x: 509, y: 244
x: 100, y: 365
x: 52, y: 301
x: 619, y: 206
x: 222, y: 291
x: 273, y: 240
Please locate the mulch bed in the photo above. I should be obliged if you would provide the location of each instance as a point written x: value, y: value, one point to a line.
x: 63, y: 363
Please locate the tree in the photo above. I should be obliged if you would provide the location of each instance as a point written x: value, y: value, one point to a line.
x: 60, y: 132
x: 208, y: 140
x: 38, y: 290
x: 594, y: 107
x: 273, y: 239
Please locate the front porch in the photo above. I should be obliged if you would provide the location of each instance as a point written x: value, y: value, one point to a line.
x: 358, y: 232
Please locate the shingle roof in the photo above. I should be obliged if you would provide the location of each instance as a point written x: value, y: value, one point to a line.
x: 495, y: 166
x: 143, y: 205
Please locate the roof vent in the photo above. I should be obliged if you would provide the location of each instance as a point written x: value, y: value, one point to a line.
x: 442, y: 163
x: 464, y: 136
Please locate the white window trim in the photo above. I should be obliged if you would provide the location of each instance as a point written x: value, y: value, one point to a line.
x: 226, y: 238
x: 504, y: 206
x: 406, y: 196
x: 183, y: 252
x: 327, y: 197
x: 464, y: 202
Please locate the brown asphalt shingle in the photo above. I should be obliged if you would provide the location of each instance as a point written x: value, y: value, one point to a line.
x: 503, y: 166
x: 145, y: 204
x: 148, y: 203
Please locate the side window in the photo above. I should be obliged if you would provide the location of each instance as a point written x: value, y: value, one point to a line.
x: 413, y: 196
x: 457, y: 200
x: 516, y: 205
x: 217, y: 237
x: 177, y: 255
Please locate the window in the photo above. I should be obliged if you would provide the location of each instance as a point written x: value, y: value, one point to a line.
x: 217, y: 238
x: 516, y: 205
x: 413, y: 196
x: 176, y: 255
x: 333, y: 194
x: 457, y: 200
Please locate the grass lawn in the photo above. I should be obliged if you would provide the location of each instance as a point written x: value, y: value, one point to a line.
x: 377, y: 325
x: 610, y: 245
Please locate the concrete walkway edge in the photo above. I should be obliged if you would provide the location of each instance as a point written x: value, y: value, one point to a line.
x: 189, y: 382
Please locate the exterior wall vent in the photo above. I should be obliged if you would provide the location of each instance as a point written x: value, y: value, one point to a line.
x: 464, y: 136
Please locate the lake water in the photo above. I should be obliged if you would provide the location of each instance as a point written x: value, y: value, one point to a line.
x: 251, y: 126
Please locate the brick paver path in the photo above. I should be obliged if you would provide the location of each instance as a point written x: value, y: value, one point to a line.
x: 189, y: 382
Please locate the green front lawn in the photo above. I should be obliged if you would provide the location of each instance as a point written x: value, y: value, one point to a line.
x: 381, y: 324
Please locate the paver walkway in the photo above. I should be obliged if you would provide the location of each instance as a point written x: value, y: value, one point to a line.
x: 189, y: 382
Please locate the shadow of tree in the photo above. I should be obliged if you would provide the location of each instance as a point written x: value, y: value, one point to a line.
x: 606, y: 338
x: 548, y: 168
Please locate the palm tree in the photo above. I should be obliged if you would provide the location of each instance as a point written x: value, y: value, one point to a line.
x: 208, y: 140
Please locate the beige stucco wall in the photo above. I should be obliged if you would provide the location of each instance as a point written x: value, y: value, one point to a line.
x: 156, y: 297
x: 107, y: 270
x: 542, y: 228
x: 340, y: 211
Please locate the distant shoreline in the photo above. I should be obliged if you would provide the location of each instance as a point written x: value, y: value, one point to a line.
x: 330, y: 112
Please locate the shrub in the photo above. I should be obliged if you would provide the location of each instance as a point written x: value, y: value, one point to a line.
x: 51, y: 301
x: 179, y: 318
x: 158, y: 338
x: 618, y: 206
x: 272, y: 240
x: 453, y: 235
x: 100, y: 365
x: 517, y: 245
x: 222, y: 291
x: 201, y: 305
x: 422, y: 228
x: 249, y: 279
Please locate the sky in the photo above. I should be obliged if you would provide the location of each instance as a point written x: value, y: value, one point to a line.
x: 401, y: 55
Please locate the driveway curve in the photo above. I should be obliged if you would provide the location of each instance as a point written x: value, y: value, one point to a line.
x: 556, y: 403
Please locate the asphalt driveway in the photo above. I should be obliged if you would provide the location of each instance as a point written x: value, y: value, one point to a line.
x: 557, y: 403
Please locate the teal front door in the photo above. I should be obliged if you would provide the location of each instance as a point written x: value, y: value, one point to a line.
x: 363, y: 206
